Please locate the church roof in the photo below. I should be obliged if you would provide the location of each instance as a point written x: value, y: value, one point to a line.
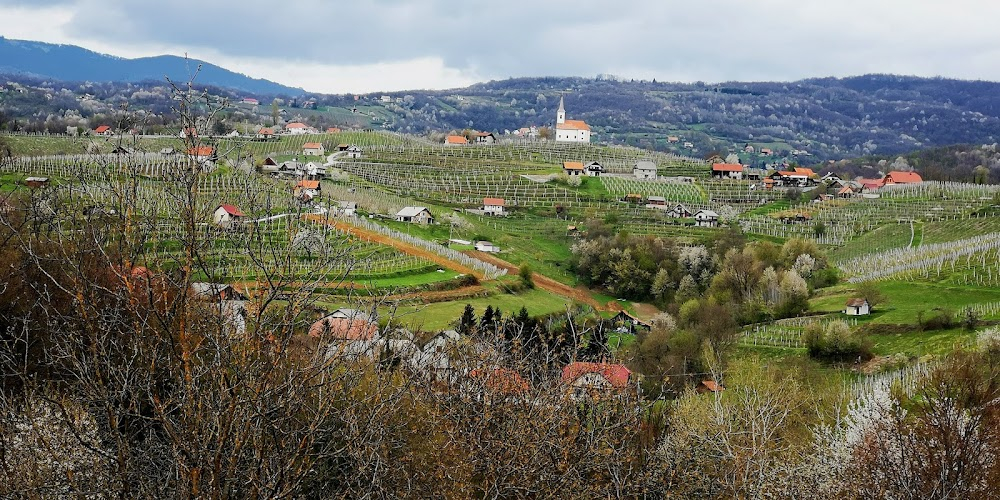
x: 573, y: 125
x: 561, y: 107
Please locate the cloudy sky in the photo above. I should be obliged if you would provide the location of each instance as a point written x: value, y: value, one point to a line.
x: 341, y: 46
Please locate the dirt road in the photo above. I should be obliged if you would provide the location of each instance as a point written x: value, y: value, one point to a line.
x: 399, y: 245
x: 548, y: 284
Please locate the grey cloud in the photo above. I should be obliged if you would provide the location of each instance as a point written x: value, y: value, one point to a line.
x: 708, y: 40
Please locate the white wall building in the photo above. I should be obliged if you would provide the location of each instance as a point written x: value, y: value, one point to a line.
x: 570, y: 130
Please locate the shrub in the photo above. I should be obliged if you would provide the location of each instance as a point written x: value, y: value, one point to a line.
x: 836, y: 342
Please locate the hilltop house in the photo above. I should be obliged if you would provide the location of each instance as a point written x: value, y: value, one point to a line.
x: 627, y: 323
x: 202, y: 153
x: 227, y: 215
x: 307, y: 189
x: 573, y: 167
x: 348, y: 207
x: 486, y: 246
x: 313, y: 149
x: 857, y: 307
x: 727, y: 171
x: 595, y: 380
x: 681, y: 212
x: 706, y: 218
x: 485, y: 138
x: 296, y: 128
x: 644, y: 169
x: 570, y: 130
x: 898, y: 177
x: 594, y: 169
x: 415, y: 215
x: 494, y: 206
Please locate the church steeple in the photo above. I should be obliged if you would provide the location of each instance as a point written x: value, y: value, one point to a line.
x: 561, y: 113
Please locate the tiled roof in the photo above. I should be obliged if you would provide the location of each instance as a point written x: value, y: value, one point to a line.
x: 617, y: 375
x: 456, y: 139
x: 573, y: 125
x: 572, y: 165
x: 496, y: 202
x: 727, y: 167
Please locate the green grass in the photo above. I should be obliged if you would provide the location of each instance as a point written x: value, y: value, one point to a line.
x: 887, y: 237
x: 441, y: 315
x: 921, y: 343
x: 906, y: 300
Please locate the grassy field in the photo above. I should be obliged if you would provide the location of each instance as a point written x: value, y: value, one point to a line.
x: 887, y: 237
x: 905, y: 301
x: 441, y: 315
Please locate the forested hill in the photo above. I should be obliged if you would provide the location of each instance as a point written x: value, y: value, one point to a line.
x: 828, y: 117
x: 72, y: 63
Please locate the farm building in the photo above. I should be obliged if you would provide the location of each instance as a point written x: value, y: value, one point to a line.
x: 202, y: 153
x: 342, y: 147
x: 314, y: 171
x: 681, y: 212
x: 644, y: 169
x: 727, y: 171
x: 348, y: 207
x: 265, y: 133
x: 485, y: 138
x: 103, y: 130
x: 594, y: 380
x: 455, y: 139
x: 486, y: 246
x: 348, y: 337
x: 857, y: 307
x: 415, y: 215
x: 215, y: 292
x: 296, y: 128
x: 307, y: 188
x: 495, y: 206
x: 354, y: 152
x: 633, y: 198
x: 572, y: 168
x: 594, y: 169
x: 333, y: 130
x: 627, y: 323
x: 897, y: 177
x: 313, y: 149
x: 36, y: 182
x: 226, y: 215
x: 570, y: 130
x: 657, y: 200
x: 706, y: 218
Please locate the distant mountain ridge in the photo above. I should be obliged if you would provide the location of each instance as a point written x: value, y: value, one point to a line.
x: 73, y: 63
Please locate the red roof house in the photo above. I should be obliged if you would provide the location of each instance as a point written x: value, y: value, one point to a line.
x: 456, y: 139
x: 898, y: 177
x: 344, y: 328
x: 103, y: 130
x: 591, y: 379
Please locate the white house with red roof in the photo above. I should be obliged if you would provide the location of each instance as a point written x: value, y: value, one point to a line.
x: 103, y: 130
x: 570, y: 130
x: 226, y: 215
x: 297, y: 128
x: 899, y: 177
x: 313, y: 149
x: 495, y: 206
x: 727, y: 170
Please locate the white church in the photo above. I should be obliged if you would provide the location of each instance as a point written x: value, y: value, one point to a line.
x: 570, y: 130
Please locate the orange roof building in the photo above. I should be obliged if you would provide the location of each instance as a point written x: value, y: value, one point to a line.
x: 456, y: 139
x: 344, y: 329
x: 573, y: 167
x: 898, y: 177
x: 570, y: 130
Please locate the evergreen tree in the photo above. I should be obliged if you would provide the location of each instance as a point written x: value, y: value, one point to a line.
x: 467, y: 323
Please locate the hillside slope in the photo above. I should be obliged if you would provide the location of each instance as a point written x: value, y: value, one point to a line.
x: 72, y: 63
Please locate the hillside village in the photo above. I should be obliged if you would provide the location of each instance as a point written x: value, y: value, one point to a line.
x: 477, y: 282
